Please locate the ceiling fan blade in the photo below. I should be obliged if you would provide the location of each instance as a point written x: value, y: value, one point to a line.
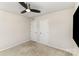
x: 34, y: 10
x: 23, y: 4
x: 23, y: 11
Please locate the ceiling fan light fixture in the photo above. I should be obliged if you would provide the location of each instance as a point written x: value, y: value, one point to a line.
x: 28, y: 10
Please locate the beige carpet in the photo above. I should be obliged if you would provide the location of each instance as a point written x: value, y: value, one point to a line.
x: 32, y: 48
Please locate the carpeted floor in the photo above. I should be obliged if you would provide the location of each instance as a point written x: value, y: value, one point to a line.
x: 32, y: 48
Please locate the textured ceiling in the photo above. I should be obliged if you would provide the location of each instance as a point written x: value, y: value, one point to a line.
x: 45, y: 7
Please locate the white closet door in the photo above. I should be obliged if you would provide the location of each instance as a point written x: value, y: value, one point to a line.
x: 34, y: 30
x: 44, y: 31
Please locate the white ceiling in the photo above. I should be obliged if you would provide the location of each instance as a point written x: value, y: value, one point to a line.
x: 45, y: 7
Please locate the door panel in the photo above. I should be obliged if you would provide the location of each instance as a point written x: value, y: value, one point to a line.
x: 43, y: 29
x: 34, y: 30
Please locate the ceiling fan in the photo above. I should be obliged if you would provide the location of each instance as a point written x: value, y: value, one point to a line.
x: 27, y: 8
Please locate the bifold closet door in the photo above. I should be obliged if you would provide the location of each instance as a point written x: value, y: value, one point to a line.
x: 40, y: 30
x: 44, y: 30
x: 34, y: 30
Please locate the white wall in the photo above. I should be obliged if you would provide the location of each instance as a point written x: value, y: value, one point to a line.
x: 60, y: 29
x: 14, y: 29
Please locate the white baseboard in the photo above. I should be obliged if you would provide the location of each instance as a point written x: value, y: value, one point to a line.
x: 67, y: 50
x: 13, y: 45
x: 72, y: 51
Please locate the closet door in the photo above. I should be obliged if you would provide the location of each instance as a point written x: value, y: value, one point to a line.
x: 34, y: 30
x: 44, y: 30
